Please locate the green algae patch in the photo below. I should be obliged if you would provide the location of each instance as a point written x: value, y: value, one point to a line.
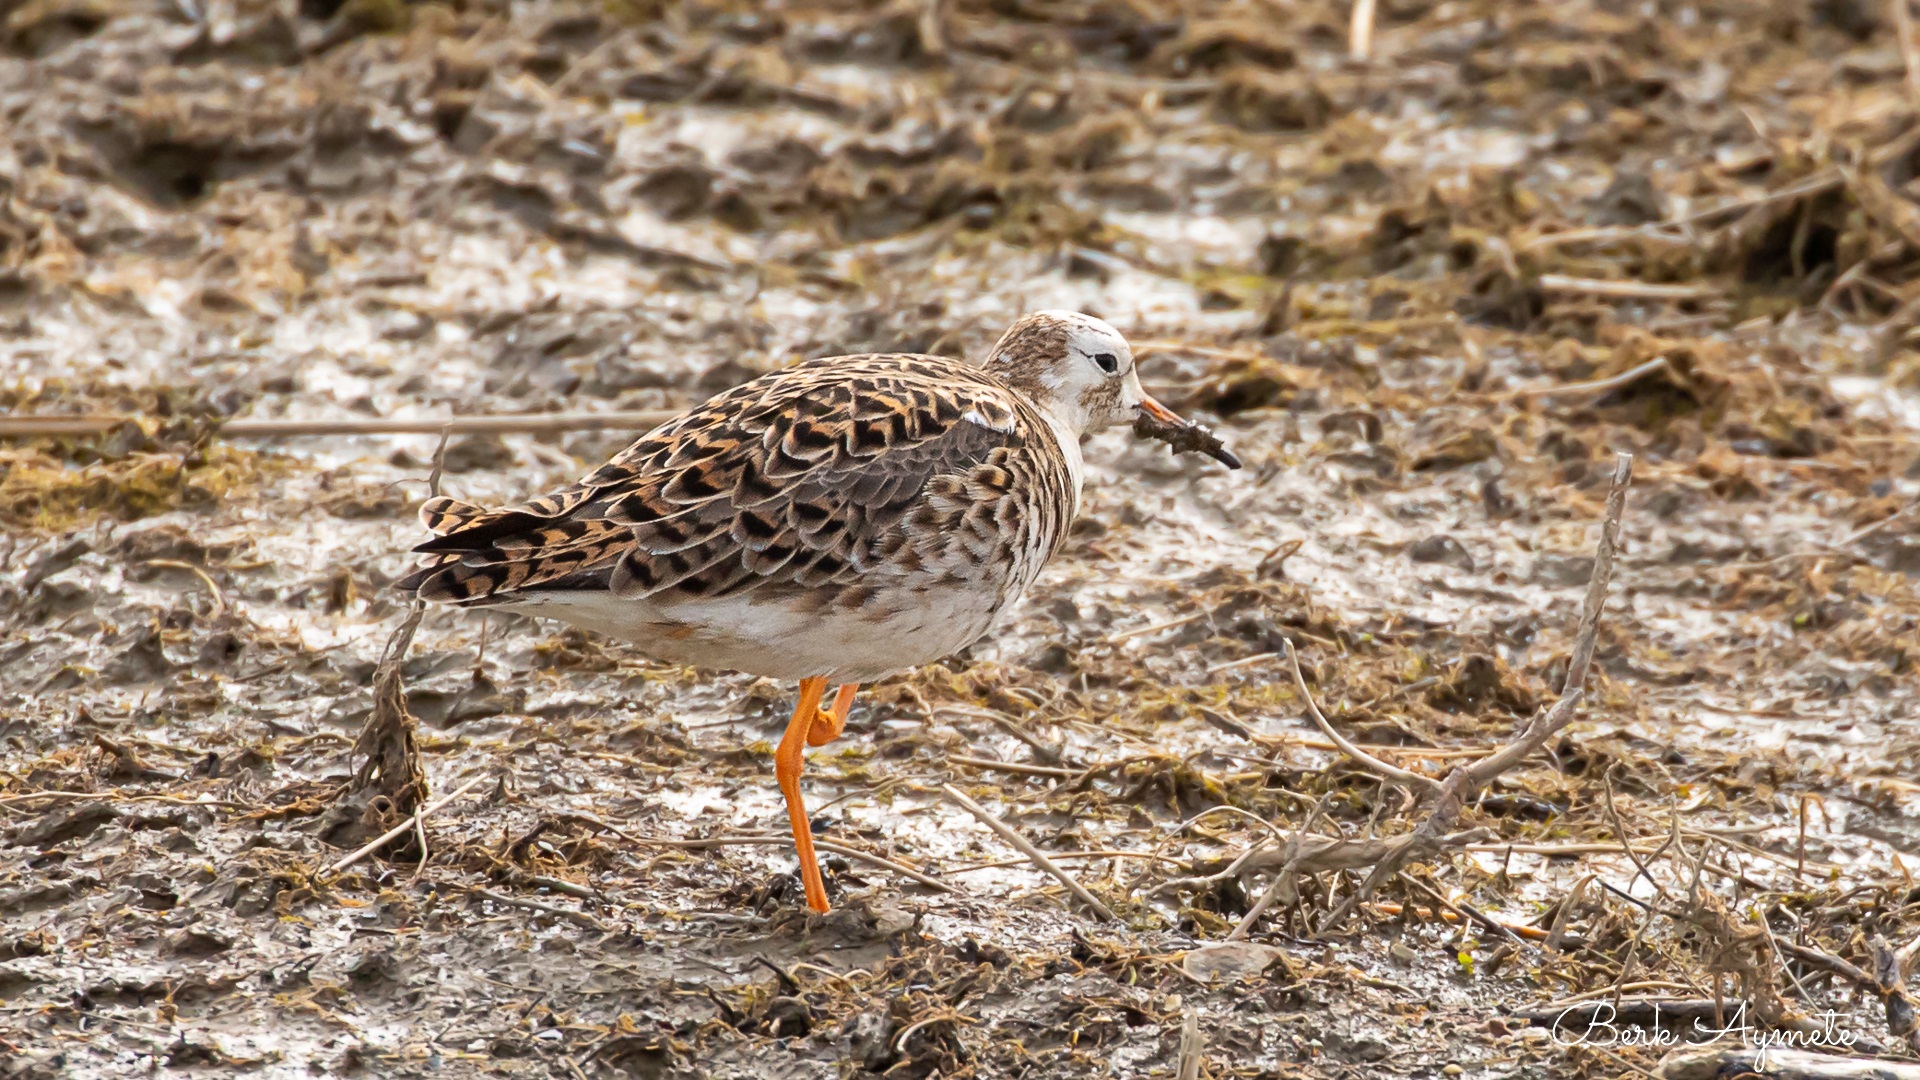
x: 41, y: 491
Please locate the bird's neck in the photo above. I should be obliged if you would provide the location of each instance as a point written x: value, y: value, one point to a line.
x: 1067, y: 438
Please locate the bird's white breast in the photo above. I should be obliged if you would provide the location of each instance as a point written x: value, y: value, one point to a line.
x: 1067, y: 444
x: 902, y: 628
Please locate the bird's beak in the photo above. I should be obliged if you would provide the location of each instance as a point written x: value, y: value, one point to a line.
x: 1161, y: 412
x: 1183, y: 435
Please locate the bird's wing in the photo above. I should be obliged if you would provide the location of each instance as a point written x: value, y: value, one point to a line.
x: 808, y: 477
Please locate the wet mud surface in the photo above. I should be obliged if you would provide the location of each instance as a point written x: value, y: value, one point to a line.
x: 1424, y: 297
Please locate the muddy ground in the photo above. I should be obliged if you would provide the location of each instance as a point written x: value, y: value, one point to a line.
x: 1415, y: 292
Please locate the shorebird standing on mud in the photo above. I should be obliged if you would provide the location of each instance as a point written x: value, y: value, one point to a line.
x: 831, y: 523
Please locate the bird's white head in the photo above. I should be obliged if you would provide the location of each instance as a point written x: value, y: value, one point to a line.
x: 1074, y: 366
x: 1080, y: 370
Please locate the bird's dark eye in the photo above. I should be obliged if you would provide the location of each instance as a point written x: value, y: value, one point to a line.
x: 1108, y: 362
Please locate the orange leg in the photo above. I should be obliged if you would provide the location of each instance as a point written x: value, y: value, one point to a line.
x: 786, y: 768
x: 827, y: 726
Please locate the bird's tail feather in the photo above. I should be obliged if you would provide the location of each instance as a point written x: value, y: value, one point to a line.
x: 479, y: 555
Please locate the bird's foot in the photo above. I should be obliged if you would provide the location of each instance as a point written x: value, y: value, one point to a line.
x: 829, y: 723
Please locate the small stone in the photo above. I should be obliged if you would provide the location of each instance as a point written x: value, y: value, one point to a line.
x: 1441, y: 548
x: 475, y: 452
x: 1460, y: 449
x: 1903, y: 556
x: 31, y: 943
x: 1083, y: 266
x: 198, y: 941
x: 404, y: 325
x: 373, y: 966
x: 891, y: 919
x: 788, y: 1017
x: 1553, y: 569
x: 1360, y: 1047
x: 1280, y: 255
x: 870, y: 1040
x: 1232, y: 960
x: 1631, y: 199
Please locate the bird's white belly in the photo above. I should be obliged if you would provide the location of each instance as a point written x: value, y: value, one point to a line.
x: 896, y: 630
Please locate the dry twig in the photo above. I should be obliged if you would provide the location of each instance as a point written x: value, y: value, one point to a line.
x: 1456, y: 792
x: 1568, y: 903
x: 1015, y: 767
x: 1451, y: 914
x: 1005, y: 832
x: 1289, y: 870
x: 1304, y: 854
x: 1624, y: 290
x: 374, y: 845
x: 1319, y: 854
x: 1465, y: 910
x: 389, y: 752
x: 1909, y: 44
x: 1424, y: 785
x: 1360, y: 30
x: 578, y: 918
x: 23, y: 427
x: 1611, y: 382
x: 219, y: 599
x: 1776, y: 1064
x: 1193, y: 1047
x: 1887, y: 980
x: 1620, y: 830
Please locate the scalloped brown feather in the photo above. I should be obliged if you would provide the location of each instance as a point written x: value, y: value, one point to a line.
x: 806, y: 480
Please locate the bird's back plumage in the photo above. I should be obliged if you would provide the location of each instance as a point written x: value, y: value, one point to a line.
x: 839, y: 485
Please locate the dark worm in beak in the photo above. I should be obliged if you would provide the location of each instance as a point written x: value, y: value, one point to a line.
x: 1156, y: 421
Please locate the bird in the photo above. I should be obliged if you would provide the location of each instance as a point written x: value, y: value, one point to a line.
x: 829, y: 523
